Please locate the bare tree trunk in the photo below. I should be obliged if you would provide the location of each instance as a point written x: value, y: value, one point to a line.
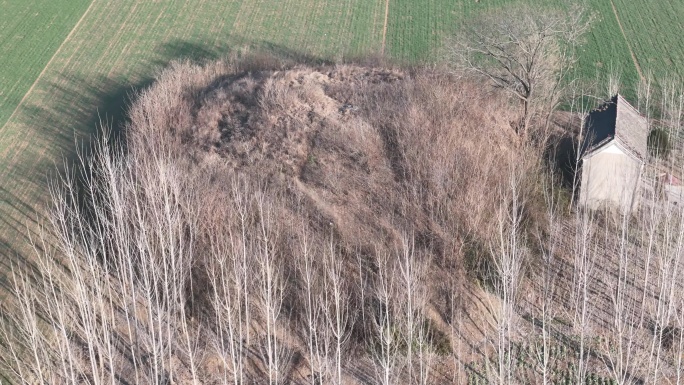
x: 336, y: 310
x: 271, y: 293
x: 619, y: 348
x: 679, y: 351
x: 386, y: 345
x: 240, y: 198
x: 226, y: 270
x: 582, y: 280
x: 549, y: 274
x: 425, y: 356
x: 668, y: 259
x: 310, y: 271
x: 413, y: 299
x: 579, y: 151
x: 113, y: 278
x: 508, y: 254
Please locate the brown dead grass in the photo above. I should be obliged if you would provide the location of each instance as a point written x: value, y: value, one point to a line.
x: 367, y: 155
x: 372, y: 153
x: 372, y: 150
x: 242, y: 160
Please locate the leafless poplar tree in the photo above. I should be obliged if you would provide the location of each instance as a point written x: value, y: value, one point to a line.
x: 271, y: 291
x: 386, y: 340
x: 413, y: 297
x: 508, y: 252
x: 613, y: 83
x: 335, y: 299
x: 620, y: 347
x: 111, y: 280
x: 579, y: 145
x: 242, y: 245
x: 226, y: 271
x: 679, y: 351
x: 315, y: 326
x: 668, y: 261
x: 584, y: 252
x: 547, y: 279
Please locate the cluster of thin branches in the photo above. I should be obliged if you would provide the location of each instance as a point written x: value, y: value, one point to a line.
x: 136, y: 284
x: 527, y: 51
x: 157, y: 268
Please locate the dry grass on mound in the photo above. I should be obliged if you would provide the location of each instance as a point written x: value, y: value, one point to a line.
x: 374, y: 151
x: 256, y: 210
x: 279, y: 223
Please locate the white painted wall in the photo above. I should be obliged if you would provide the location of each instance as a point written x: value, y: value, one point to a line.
x: 610, y: 177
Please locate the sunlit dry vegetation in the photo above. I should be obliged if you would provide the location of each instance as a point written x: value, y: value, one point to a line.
x: 255, y: 225
x: 269, y: 224
x: 265, y: 221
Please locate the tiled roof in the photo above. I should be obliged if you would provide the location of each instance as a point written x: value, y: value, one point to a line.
x: 617, y: 119
x: 631, y: 127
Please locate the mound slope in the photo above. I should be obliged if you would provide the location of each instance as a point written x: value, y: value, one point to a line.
x: 372, y: 151
x: 270, y: 221
x: 367, y: 163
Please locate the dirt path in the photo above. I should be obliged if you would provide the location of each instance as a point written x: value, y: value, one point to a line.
x: 631, y: 52
x: 40, y: 75
x: 384, y: 27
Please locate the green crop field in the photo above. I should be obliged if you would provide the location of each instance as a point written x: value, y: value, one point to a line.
x: 65, y: 64
x: 119, y: 45
x: 30, y: 33
x: 655, y: 33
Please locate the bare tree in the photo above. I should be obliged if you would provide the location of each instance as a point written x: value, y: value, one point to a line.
x: 527, y: 51
x: 226, y: 271
x: 547, y: 279
x: 579, y: 145
x: 386, y: 341
x: 669, y: 264
x: 240, y: 197
x: 413, y: 297
x: 335, y: 300
x: 112, y: 279
x: 620, y: 346
x: 314, y: 327
x: 508, y: 251
x: 613, y: 82
x: 271, y: 292
x: 679, y: 351
x: 584, y: 252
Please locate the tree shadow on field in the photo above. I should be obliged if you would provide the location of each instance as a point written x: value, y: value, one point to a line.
x: 240, y: 51
x: 108, y: 99
x: 77, y: 108
x: 73, y: 110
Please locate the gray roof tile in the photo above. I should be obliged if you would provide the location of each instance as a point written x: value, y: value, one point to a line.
x: 631, y: 127
x: 617, y: 119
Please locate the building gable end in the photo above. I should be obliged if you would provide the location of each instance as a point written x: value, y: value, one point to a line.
x: 614, y: 146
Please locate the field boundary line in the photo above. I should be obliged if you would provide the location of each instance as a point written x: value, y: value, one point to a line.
x: 40, y: 75
x: 384, y: 26
x: 629, y: 47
